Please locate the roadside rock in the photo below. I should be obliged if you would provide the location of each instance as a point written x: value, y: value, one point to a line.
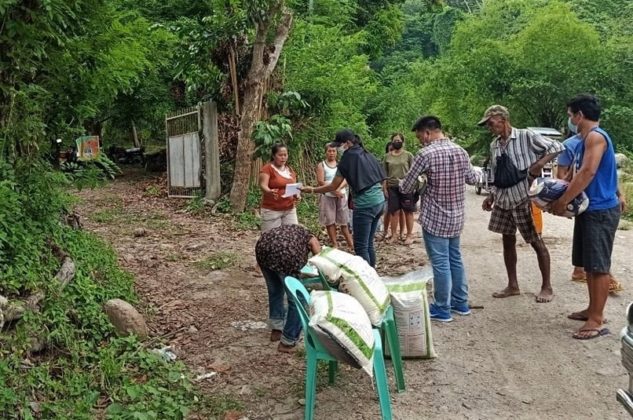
x: 125, y: 318
x: 140, y: 232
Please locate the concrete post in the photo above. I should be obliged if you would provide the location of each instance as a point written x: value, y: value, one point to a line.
x: 212, y: 150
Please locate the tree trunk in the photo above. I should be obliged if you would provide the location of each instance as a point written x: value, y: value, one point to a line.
x: 135, y: 135
x: 264, y: 61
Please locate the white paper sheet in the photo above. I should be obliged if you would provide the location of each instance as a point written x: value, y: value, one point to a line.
x: 292, y: 189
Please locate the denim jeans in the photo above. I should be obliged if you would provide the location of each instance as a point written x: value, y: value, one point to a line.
x: 288, y: 322
x: 449, y: 284
x: 365, y: 221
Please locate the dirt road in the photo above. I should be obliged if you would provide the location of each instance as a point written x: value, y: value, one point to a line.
x: 512, y: 359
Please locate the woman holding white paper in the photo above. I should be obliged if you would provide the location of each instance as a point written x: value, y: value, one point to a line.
x: 277, y: 209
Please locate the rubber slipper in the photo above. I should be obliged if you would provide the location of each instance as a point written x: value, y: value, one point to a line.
x: 577, y: 316
x: 597, y: 332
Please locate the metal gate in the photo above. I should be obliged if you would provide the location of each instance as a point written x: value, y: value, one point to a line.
x: 184, y: 153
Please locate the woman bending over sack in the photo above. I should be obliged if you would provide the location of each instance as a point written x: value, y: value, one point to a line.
x: 281, y: 252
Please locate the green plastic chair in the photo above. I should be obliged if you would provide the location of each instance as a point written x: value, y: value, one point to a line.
x: 315, y: 352
x: 387, y: 328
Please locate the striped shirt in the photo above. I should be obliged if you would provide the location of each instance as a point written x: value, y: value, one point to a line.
x: 448, y: 170
x: 524, y: 148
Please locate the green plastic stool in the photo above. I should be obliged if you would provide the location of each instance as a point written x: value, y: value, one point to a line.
x: 315, y: 352
x: 390, y: 332
x: 387, y: 328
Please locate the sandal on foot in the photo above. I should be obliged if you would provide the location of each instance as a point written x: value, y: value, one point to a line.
x: 408, y: 241
x: 579, y: 316
x: 595, y: 333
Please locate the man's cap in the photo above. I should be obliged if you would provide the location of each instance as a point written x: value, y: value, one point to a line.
x: 495, y: 110
x: 342, y: 136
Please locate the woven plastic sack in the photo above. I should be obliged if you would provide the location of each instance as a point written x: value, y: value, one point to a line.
x: 545, y: 190
x: 358, y: 279
x: 411, y: 310
x: 343, y: 328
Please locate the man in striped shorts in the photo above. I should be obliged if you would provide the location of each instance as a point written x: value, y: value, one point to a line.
x: 517, y: 157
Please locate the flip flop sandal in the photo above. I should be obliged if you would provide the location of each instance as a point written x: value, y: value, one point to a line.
x: 599, y: 332
x: 575, y: 316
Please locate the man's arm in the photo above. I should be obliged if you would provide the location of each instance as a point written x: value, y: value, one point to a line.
x: 407, y: 184
x: 595, y: 146
x: 544, y: 147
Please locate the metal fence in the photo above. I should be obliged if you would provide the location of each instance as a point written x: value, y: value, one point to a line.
x: 184, y: 153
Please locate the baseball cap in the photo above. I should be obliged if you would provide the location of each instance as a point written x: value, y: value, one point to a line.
x: 492, y: 111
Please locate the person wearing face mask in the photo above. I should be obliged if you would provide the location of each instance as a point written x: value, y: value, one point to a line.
x: 565, y: 171
x: 594, y: 229
x: 517, y: 157
x: 366, y: 179
x: 397, y: 163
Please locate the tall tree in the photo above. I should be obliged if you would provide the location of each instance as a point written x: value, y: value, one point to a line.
x: 272, y: 25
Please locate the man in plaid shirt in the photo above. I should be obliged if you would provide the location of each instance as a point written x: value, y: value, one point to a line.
x: 448, y: 170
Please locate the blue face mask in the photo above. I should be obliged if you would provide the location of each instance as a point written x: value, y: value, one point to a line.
x: 573, y: 128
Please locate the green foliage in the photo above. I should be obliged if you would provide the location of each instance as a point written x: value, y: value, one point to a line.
x: 276, y: 130
x: 90, y: 173
x: 85, y: 365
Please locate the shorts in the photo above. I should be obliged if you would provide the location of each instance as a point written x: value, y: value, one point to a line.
x: 275, y: 218
x: 594, y: 234
x: 333, y: 210
x: 399, y: 201
x: 506, y: 222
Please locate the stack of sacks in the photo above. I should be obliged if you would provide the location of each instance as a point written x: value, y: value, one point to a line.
x: 343, y: 328
x: 357, y: 278
x: 411, y: 310
x: 545, y: 190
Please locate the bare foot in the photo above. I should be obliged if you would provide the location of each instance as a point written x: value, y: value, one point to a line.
x: 507, y: 292
x: 275, y: 335
x: 389, y: 240
x: 408, y: 240
x: 545, y: 296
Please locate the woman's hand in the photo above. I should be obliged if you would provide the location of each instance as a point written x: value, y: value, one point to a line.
x: 307, y: 189
x: 275, y: 193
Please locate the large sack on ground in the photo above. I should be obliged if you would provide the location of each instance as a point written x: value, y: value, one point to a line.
x: 411, y: 309
x: 358, y: 279
x: 125, y: 318
x: 545, y: 190
x: 343, y: 328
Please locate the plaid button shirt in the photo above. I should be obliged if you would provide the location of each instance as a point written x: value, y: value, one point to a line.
x: 524, y: 147
x: 448, y: 170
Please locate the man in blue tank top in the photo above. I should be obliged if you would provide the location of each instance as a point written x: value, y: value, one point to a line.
x: 594, y: 230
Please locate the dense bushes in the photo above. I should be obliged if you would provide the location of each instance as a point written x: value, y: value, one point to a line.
x: 84, y: 368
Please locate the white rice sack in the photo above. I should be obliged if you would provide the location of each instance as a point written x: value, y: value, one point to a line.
x: 545, y: 190
x: 411, y: 311
x: 329, y: 262
x: 343, y: 320
x: 359, y: 279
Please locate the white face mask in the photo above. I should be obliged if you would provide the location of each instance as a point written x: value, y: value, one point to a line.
x: 341, y: 149
x: 572, y: 127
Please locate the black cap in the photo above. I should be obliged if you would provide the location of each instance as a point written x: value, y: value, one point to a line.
x: 342, y: 136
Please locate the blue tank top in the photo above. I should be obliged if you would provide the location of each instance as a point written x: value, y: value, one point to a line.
x: 602, y: 191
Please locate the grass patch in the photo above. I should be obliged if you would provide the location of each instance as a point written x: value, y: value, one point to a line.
x: 217, y: 261
x: 217, y: 405
x: 108, y: 215
x: 152, y: 191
